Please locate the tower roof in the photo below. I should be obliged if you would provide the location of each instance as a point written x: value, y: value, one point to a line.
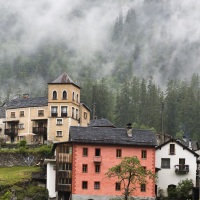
x: 64, y: 78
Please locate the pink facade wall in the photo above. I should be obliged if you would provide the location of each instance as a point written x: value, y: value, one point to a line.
x: 108, y: 155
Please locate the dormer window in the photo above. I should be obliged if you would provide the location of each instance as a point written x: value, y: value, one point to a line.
x: 54, y: 95
x: 64, y: 96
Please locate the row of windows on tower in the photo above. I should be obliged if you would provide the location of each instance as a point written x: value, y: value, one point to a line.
x: 64, y: 112
x: 65, y: 96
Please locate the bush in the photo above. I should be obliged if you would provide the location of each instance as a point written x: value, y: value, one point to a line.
x: 22, y: 143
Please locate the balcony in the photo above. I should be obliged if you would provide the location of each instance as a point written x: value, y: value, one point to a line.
x: 64, y: 158
x: 97, y: 159
x: 181, y: 169
x: 40, y: 130
x: 11, y: 132
x: 64, y: 187
x: 65, y: 174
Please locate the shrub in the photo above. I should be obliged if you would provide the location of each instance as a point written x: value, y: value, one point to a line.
x: 22, y: 143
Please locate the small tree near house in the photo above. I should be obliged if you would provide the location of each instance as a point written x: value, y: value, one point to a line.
x: 130, y: 173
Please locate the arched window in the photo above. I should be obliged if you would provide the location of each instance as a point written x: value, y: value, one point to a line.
x: 77, y: 98
x: 73, y: 96
x: 54, y: 95
x: 64, y: 96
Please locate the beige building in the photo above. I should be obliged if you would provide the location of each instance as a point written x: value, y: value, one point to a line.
x: 41, y: 119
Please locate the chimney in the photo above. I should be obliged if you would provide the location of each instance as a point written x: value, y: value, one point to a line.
x: 129, y: 130
x: 25, y: 96
x: 190, y: 144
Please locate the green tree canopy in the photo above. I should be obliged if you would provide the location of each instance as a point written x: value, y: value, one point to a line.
x: 130, y: 173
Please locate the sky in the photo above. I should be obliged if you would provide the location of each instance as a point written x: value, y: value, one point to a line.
x: 86, y: 26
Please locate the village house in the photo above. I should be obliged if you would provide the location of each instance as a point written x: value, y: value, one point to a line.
x: 81, y: 163
x: 46, y: 119
x: 175, y: 162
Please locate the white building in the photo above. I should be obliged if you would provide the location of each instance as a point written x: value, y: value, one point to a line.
x: 174, y: 162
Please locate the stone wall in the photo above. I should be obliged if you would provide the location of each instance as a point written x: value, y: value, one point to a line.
x: 16, y: 159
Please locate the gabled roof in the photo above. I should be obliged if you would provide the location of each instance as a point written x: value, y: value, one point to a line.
x: 64, y: 79
x: 101, y: 123
x: 27, y: 102
x: 110, y: 135
x: 178, y: 142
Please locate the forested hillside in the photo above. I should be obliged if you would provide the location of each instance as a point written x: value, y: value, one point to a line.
x: 137, y: 61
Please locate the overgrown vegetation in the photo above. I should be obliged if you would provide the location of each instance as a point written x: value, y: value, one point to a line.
x: 42, y: 150
x: 18, y: 179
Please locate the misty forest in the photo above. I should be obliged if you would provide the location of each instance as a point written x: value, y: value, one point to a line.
x: 136, y: 60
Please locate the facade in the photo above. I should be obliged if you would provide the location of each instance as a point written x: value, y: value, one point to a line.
x: 81, y: 163
x: 2, y: 125
x: 175, y: 162
x: 46, y: 119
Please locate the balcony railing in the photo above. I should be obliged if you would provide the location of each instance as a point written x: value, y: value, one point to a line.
x: 11, y: 131
x: 65, y: 174
x: 64, y: 158
x: 181, y: 169
x: 97, y: 159
x: 63, y: 114
x: 54, y: 114
x: 64, y: 187
x: 40, y: 130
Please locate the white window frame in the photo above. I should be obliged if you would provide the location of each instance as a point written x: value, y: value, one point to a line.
x: 59, y: 135
x: 59, y: 121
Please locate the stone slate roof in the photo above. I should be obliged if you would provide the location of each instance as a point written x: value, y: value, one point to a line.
x: 194, y: 144
x: 2, y: 112
x: 64, y: 78
x: 109, y: 135
x: 28, y: 102
x: 101, y: 123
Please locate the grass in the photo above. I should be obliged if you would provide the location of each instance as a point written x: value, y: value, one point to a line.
x: 13, y: 175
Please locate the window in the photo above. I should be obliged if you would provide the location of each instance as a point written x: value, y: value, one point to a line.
x: 40, y: 113
x: 73, y: 96
x: 165, y: 162
x: 64, y: 181
x: 64, y: 95
x: 84, y: 168
x: 63, y: 111
x: 117, y: 186
x: 144, y: 154
x: 76, y: 113
x: 97, y: 168
x: 65, y: 166
x: 85, y: 115
x: 54, y: 95
x: 143, y: 187
x: 65, y: 149
x: 21, y: 113
x: 97, y: 152
x: 77, y: 98
x: 54, y: 111
x: 59, y: 121
x: 118, y: 153
x: 58, y: 133
x: 96, y: 185
x: 85, y: 151
x: 12, y: 114
x: 172, y: 149
x: 84, y: 184
x: 21, y: 126
x: 72, y: 112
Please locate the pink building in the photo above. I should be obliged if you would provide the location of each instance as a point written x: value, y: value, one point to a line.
x: 91, y: 151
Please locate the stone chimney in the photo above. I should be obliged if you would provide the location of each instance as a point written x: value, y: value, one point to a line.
x: 129, y: 130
